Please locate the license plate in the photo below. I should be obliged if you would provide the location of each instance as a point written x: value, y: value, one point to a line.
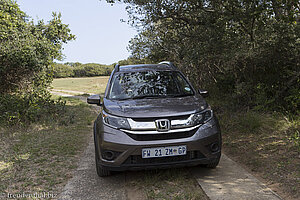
x: 163, y: 151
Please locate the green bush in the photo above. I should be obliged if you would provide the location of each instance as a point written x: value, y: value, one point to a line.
x: 81, y: 70
x: 24, y: 109
x: 62, y: 71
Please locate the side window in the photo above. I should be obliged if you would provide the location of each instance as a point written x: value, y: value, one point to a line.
x: 184, y: 87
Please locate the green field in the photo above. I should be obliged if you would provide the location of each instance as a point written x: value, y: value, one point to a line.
x: 94, y: 85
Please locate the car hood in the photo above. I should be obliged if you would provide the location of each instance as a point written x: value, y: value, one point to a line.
x: 156, y: 107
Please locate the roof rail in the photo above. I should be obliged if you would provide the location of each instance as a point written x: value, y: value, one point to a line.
x: 168, y: 63
x: 117, y: 67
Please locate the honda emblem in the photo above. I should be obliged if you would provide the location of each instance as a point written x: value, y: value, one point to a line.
x: 162, y: 124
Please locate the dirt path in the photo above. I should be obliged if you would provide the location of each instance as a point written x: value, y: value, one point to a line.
x: 85, y: 183
x: 68, y: 92
x: 229, y: 181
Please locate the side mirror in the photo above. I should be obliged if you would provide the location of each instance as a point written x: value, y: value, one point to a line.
x: 203, y: 93
x: 94, y: 99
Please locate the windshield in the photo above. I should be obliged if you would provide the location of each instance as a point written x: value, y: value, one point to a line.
x: 149, y: 84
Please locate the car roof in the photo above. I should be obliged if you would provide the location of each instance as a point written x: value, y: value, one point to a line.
x: 146, y: 67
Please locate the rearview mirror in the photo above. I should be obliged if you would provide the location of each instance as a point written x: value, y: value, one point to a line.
x: 203, y: 93
x: 94, y: 99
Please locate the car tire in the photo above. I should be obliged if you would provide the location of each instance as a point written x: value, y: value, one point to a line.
x: 214, y: 164
x: 101, y: 172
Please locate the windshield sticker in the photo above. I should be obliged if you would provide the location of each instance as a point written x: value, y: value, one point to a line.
x: 187, y: 89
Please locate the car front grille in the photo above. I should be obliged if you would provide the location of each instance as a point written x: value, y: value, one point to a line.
x: 162, y: 136
x: 147, y: 119
x: 137, y: 159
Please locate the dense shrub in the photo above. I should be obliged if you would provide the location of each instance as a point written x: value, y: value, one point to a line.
x: 24, y: 109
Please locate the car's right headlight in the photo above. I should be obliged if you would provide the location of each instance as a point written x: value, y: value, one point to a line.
x: 114, y: 121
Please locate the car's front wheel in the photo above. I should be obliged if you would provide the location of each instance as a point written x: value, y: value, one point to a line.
x: 213, y: 164
x: 100, y: 170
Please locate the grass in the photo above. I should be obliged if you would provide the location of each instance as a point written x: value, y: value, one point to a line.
x: 167, y: 184
x: 267, y: 145
x: 94, y: 85
x: 41, y: 157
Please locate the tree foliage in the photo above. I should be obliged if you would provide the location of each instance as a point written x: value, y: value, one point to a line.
x: 247, y: 50
x: 27, y: 51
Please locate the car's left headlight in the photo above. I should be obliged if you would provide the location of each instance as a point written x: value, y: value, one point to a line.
x: 201, y: 117
x: 193, y: 120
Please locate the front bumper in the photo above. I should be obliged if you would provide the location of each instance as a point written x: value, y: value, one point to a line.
x: 127, y: 152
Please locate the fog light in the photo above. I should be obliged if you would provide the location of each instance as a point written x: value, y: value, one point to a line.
x: 108, y: 155
x: 214, y: 147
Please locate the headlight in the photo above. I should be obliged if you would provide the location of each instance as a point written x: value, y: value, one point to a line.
x: 115, y: 122
x: 201, y: 117
x: 193, y: 120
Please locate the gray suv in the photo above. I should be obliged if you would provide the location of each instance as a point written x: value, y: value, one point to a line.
x: 152, y: 117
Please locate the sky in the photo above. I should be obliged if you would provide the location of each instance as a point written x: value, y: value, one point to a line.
x: 101, y: 37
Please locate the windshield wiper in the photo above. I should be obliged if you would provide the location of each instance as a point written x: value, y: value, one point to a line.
x: 148, y: 96
x: 143, y: 97
x: 179, y: 95
x: 156, y: 96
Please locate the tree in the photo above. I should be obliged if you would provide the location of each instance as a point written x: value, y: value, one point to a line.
x: 247, y: 49
x: 28, y: 49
